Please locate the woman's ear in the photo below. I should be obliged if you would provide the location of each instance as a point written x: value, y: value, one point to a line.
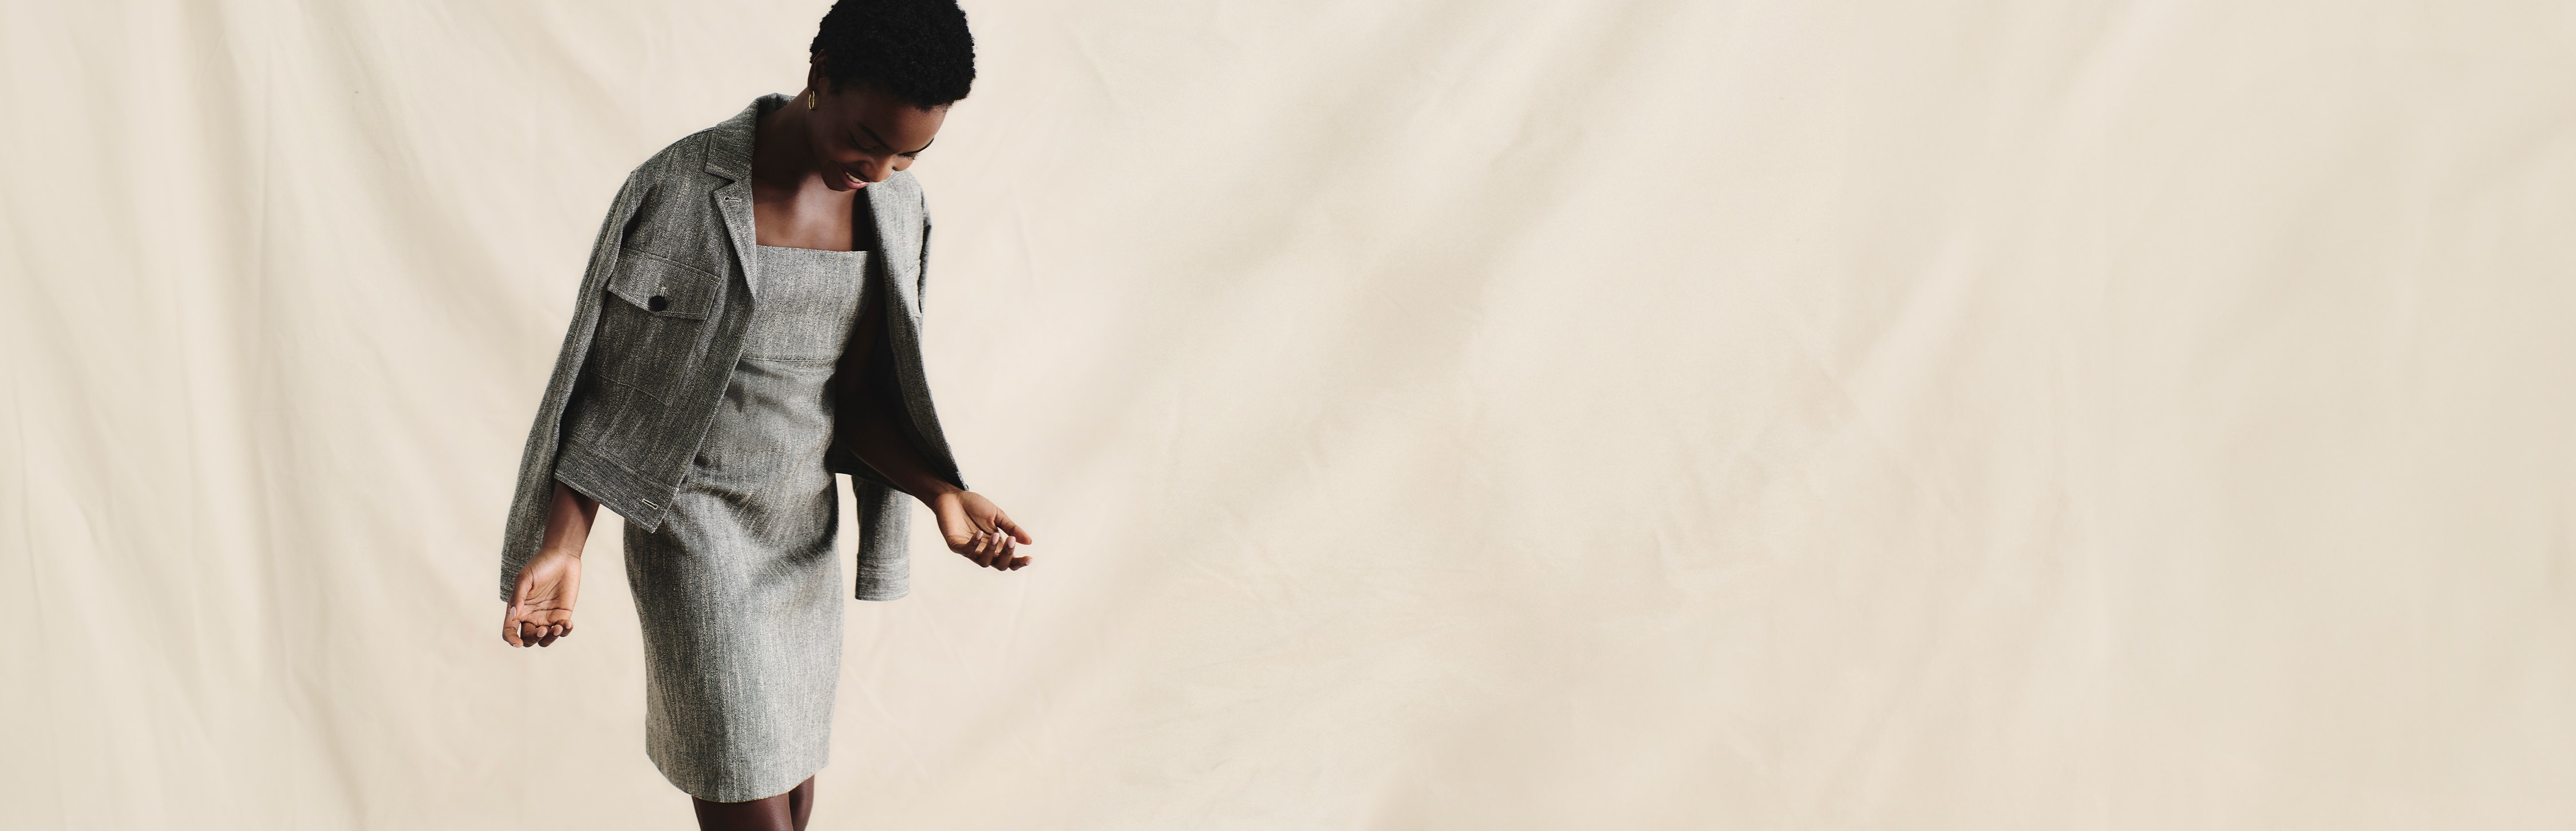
x: 815, y: 78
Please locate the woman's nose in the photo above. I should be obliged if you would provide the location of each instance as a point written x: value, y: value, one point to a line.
x: 874, y: 170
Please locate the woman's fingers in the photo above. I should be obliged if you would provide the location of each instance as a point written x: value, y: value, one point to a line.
x: 523, y: 626
x: 515, y: 625
x: 1017, y: 532
x: 1008, y: 537
x: 995, y: 548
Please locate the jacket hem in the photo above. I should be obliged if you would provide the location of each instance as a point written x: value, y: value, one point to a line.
x: 641, y: 501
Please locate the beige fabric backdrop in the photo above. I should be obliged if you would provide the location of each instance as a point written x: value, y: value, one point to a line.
x: 1434, y: 415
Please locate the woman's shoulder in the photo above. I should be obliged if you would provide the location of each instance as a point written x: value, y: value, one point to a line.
x: 901, y: 193
x: 903, y: 185
x: 708, y: 158
x: 683, y: 160
x: 673, y: 176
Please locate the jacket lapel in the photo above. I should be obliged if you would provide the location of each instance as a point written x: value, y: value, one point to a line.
x: 729, y: 156
x: 899, y: 245
x: 899, y: 240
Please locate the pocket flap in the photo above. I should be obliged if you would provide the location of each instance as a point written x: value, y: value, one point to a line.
x: 662, y: 286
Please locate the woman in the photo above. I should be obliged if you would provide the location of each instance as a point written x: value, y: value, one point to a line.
x: 748, y: 326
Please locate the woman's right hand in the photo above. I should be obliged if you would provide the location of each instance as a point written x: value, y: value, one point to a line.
x: 541, y: 610
x: 541, y: 607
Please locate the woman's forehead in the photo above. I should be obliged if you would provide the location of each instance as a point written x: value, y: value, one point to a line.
x: 900, y: 125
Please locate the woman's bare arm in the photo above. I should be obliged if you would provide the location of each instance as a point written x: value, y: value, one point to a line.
x: 972, y: 525
x: 878, y: 442
x: 568, y: 520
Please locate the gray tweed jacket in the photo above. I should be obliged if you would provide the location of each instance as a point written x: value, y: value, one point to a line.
x: 657, y: 329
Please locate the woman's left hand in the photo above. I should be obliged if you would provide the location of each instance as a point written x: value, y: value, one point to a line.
x: 977, y: 529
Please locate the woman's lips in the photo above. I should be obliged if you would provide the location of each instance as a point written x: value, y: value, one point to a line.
x: 853, y: 181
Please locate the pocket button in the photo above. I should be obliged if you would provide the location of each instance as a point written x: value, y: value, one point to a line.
x: 658, y: 303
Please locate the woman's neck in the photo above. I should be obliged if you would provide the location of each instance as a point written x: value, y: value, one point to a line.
x: 781, y: 154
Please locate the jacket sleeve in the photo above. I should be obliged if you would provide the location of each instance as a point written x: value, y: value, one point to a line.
x: 921, y: 271
x: 524, y: 531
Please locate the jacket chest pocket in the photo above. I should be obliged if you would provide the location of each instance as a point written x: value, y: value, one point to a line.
x: 653, y: 321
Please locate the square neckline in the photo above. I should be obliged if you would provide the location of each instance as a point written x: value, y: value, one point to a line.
x: 815, y: 250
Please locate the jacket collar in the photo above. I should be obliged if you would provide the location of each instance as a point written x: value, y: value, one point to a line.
x: 729, y: 142
x: 729, y: 156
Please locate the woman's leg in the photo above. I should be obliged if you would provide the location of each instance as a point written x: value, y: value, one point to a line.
x: 800, y: 803
x: 784, y: 812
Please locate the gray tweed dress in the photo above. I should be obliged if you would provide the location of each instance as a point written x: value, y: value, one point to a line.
x: 739, y: 591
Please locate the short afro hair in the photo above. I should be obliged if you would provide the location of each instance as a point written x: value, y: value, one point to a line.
x: 918, y: 50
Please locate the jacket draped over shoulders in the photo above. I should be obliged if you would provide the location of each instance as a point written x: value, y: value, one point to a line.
x: 657, y: 329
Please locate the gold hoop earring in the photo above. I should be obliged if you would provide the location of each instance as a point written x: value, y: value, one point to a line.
x: 809, y: 99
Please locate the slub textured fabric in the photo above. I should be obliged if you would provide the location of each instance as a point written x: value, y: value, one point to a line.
x: 657, y: 333
x: 1516, y: 416
x: 738, y: 589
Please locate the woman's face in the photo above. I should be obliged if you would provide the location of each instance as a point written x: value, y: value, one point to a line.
x: 861, y: 135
